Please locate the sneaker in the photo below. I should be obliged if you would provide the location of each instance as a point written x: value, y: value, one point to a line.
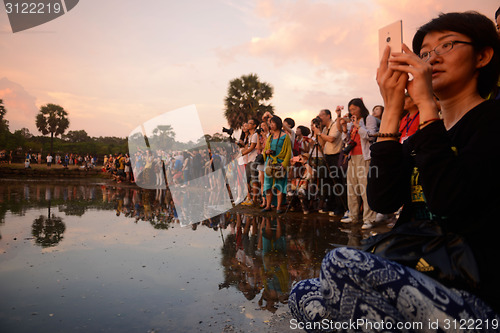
x: 336, y: 215
x: 305, y: 212
x: 383, y: 217
x: 321, y: 211
x: 247, y: 202
x: 367, y: 225
x: 346, y: 220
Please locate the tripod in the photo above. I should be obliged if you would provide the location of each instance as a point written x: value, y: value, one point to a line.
x: 318, y: 149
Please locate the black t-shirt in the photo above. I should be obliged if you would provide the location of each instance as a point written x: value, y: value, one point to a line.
x: 455, y: 172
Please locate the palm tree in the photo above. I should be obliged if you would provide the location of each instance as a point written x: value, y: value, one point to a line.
x: 52, y: 119
x: 163, y: 136
x: 48, y: 230
x: 245, y: 99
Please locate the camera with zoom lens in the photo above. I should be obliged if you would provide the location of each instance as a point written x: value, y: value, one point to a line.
x: 229, y: 131
x: 317, y: 122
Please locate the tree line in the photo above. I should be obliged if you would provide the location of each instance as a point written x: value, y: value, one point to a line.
x: 247, y: 97
x: 53, y: 120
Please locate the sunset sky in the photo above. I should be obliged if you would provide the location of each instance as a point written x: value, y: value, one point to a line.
x: 113, y: 65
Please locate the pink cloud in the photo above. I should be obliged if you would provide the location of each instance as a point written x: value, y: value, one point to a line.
x: 334, y: 38
x: 318, y: 33
x: 338, y: 34
x: 21, y: 105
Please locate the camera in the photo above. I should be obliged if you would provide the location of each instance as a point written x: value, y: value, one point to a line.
x: 273, y: 152
x: 258, y: 130
x: 317, y: 122
x: 229, y: 131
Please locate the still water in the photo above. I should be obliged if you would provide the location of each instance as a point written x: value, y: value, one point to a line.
x: 89, y: 256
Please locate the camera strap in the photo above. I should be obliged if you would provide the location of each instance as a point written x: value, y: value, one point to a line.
x: 329, y: 128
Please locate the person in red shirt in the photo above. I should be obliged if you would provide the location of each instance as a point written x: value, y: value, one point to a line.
x: 409, y: 124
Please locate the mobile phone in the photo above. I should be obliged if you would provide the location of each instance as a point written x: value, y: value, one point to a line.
x: 391, y: 35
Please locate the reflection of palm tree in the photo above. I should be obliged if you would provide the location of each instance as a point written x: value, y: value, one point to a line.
x: 48, y: 231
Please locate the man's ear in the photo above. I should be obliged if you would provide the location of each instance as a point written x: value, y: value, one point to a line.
x: 484, y: 57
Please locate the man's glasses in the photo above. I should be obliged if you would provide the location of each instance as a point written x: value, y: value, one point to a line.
x: 441, y: 49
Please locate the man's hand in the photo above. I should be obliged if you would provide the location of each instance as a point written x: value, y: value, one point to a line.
x: 267, y: 115
x: 338, y: 110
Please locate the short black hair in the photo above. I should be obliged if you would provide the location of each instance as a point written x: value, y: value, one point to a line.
x: 497, y: 13
x: 482, y: 33
x: 328, y: 112
x: 290, y: 122
x: 278, y: 122
x: 304, y: 130
x: 255, y: 121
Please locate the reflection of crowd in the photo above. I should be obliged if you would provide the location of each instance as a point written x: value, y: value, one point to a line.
x: 263, y: 256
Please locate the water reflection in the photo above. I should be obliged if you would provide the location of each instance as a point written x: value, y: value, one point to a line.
x: 260, y: 253
x: 48, y: 230
x: 263, y: 256
x: 258, y: 257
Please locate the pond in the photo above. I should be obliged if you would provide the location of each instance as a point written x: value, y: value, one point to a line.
x: 93, y: 256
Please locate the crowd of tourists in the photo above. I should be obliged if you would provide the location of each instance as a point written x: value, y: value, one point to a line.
x: 84, y: 161
x: 321, y: 166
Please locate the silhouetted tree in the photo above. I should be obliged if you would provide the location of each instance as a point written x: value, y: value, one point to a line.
x: 52, y: 119
x: 245, y: 99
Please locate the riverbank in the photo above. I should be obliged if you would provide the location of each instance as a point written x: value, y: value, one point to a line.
x: 40, y: 171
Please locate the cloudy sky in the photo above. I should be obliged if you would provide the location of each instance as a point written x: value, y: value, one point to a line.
x: 113, y: 64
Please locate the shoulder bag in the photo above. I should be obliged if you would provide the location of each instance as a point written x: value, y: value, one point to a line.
x: 426, y: 247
